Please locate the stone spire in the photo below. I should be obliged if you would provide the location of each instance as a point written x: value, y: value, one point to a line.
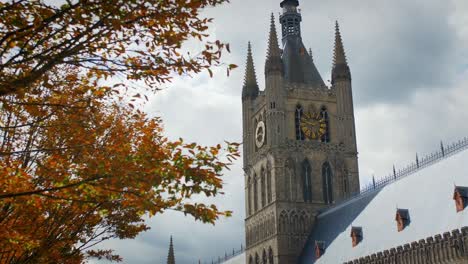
x: 170, y: 255
x: 273, y: 61
x: 340, y: 65
x: 250, y: 89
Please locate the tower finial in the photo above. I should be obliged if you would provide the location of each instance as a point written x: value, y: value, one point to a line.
x: 340, y: 65
x: 273, y: 62
x: 170, y: 255
x: 250, y: 88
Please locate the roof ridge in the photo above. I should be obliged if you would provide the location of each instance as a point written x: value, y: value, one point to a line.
x: 443, y: 153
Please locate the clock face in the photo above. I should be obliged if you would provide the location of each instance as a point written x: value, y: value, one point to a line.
x: 313, y: 125
x: 260, y: 134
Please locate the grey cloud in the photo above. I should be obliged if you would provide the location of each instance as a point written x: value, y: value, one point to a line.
x: 394, y: 47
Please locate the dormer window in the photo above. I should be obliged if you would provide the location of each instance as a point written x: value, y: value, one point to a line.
x: 356, y: 235
x: 402, y: 218
x: 319, y: 249
x: 460, y: 196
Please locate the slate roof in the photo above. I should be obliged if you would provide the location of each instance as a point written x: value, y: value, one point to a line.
x: 427, y: 194
x: 298, y: 64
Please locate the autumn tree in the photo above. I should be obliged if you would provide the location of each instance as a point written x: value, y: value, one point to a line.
x: 137, y: 39
x: 79, y: 164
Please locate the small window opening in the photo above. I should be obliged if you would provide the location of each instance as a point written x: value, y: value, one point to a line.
x: 319, y: 249
x: 324, y: 114
x: 299, y: 112
x: 402, y: 218
x: 460, y: 196
x: 356, y: 235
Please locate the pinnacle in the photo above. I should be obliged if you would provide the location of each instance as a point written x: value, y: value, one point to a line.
x: 340, y: 64
x: 273, y: 61
x: 250, y: 78
x: 170, y: 255
x: 273, y: 47
x: 250, y: 89
x: 339, y: 56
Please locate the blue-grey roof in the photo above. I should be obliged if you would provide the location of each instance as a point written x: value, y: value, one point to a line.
x: 298, y: 64
x: 428, y: 196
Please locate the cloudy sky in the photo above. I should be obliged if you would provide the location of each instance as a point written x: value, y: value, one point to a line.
x: 409, y: 60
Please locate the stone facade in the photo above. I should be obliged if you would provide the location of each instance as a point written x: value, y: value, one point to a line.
x: 288, y: 176
x: 447, y: 248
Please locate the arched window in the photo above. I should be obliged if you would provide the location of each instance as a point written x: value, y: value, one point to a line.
x: 283, y: 222
x: 251, y: 260
x: 298, y: 116
x: 324, y: 115
x: 269, y: 187
x: 345, y: 182
x: 249, y: 197
x: 263, y: 186
x: 270, y: 256
x: 306, y: 181
x: 327, y: 183
x: 290, y: 181
x: 264, y: 257
x: 304, y: 222
x: 255, y: 193
x: 257, y: 259
x: 294, y: 224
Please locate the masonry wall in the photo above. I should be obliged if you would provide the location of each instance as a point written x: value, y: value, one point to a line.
x: 450, y: 247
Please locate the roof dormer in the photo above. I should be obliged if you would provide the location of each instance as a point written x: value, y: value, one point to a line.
x: 460, y: 196
x: 356, y: 235
x: 402, y: 218
x: 319, y: 249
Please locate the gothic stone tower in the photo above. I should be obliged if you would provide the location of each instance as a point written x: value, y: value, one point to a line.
x: 300, y: 151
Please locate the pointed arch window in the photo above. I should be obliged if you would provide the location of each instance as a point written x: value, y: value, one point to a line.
x: 249, y: 197
x: 327, y: 183
x: 306, y: 181
x: 263, y: 187
x: 298, y: 116
x: 324, y: 114
x: 345, y: 182
x: 264, y: 257
x: 290, y: 181
x: 270, y: 256
x: 269, y: 187
x: 255, y: 193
